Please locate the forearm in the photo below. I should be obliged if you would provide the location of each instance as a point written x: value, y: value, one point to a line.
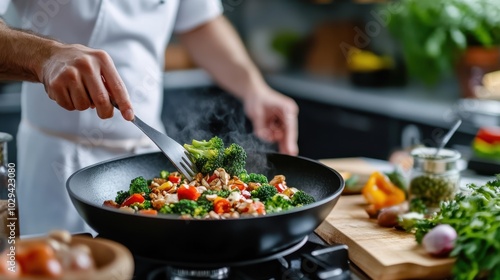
x: 22, y: 54
x: 217, y: 48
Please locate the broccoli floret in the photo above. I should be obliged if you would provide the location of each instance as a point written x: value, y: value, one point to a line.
x: 264, y: 192
x: 140, y: 206
x: 121, y: 196
x: 207, y: 155
x: 302, y: 198
x: 164, y: 174
x: 185, y: 207
x: 139, y: 185
x: 234, y: 160
x: 254, y: 177
x: 221, y: 193
x: 278, y: 203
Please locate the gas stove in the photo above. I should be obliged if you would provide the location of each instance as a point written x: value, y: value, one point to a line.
x: 309, y: 259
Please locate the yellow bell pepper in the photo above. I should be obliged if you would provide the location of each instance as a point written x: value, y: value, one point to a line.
x: 381, y: 192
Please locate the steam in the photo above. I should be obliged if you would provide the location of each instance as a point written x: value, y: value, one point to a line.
x: 206, y: 112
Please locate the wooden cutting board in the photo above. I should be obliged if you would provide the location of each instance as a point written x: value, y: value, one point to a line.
x: 354, y: 166
x: 382, y: 253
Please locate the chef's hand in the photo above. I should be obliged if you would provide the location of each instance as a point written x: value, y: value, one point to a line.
x: 79, y: 78
x: 274, y: 119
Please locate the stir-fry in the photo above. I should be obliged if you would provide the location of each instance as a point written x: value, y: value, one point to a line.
x: 216, y: 192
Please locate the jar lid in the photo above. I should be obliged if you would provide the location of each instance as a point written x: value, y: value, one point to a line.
x: 5, y: 137
x: 427, y: 160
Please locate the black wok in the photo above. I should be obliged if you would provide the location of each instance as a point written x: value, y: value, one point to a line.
x: 168, y: 238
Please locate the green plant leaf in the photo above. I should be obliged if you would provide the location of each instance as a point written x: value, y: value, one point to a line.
x: 459, y: 38
x: 433, y: 45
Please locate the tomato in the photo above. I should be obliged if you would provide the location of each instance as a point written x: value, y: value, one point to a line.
x: 211, y: 178
x: 6, y: 263
x: 222, y: 205
x: 174, y: 179
x: 187, y: 192
x: 39, y: 259
x: 136, y: 197
x: 148, y: 212
x: 280, y: 187
x: 241, y: 187
x: 246, y: 194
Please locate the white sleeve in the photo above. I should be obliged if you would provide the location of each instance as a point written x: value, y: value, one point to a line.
x: 4, y: 4
x: 192, y: 13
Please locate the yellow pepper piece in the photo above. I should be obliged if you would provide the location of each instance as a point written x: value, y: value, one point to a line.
x: 381, y: 192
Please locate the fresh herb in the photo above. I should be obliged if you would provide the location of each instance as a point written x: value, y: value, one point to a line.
x: 476, y: 218
x: 418, y: 206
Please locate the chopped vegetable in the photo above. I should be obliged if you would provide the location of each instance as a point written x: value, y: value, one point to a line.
x: 222, y: 205
x: 135, y: 198
x: 397, y: 178
x: 187, y: 192
x: 254, y: 177
x: 139, y: 185
x: 164, y: 174
x: 278, y: 203
x: 264, y: 192
x: 234, y: 160
x: 121, y: 196
x: 381, y: 192
x: 184, y: 207
x: 302, y: 198
x: 207, y: 155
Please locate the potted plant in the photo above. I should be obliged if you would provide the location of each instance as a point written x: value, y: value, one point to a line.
x: 439, y: 38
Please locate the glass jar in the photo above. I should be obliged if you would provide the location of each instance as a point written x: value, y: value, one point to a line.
x: 434, y: 178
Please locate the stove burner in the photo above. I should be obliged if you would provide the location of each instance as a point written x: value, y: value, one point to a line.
x: 175, y: 273
x: 305, y: 260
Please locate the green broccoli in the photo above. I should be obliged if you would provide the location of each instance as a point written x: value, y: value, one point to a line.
x: 139, y: 185
x: 221, y: 193
x: 278, y: 203
x: 207, y: 155
x: 121, y: 196
x: 185, y: 207
x: 234, y: 160
x: 253, y: 177
x: 302, y: 198
x: 140, y: 206
x: 264, y: 192
x: 164, y: 174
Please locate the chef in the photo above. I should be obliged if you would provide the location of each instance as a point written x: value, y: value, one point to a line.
x: 76, y: 56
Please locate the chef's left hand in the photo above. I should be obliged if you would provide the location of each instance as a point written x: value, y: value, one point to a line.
x: 274, y: 117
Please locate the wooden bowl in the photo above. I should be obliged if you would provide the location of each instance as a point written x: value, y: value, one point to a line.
x: 112, y: 260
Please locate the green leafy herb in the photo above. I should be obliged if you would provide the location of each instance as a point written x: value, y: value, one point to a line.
x: 476, y: 218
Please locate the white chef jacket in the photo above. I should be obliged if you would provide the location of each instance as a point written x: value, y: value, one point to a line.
x: 52, y: 142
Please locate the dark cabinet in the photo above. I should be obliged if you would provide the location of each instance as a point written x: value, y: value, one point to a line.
x: 327, y: 131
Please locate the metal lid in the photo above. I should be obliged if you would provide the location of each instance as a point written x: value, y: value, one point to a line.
x: 5, y: 137
x: 425, y: 159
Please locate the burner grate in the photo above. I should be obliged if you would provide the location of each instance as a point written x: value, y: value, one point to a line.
x: 309, y: 261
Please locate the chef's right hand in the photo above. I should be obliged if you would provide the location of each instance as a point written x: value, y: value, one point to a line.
x: 79, y: 78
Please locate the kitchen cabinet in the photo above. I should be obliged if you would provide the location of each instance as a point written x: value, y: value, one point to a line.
x: 327, y: 131
x: 339, y: 120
